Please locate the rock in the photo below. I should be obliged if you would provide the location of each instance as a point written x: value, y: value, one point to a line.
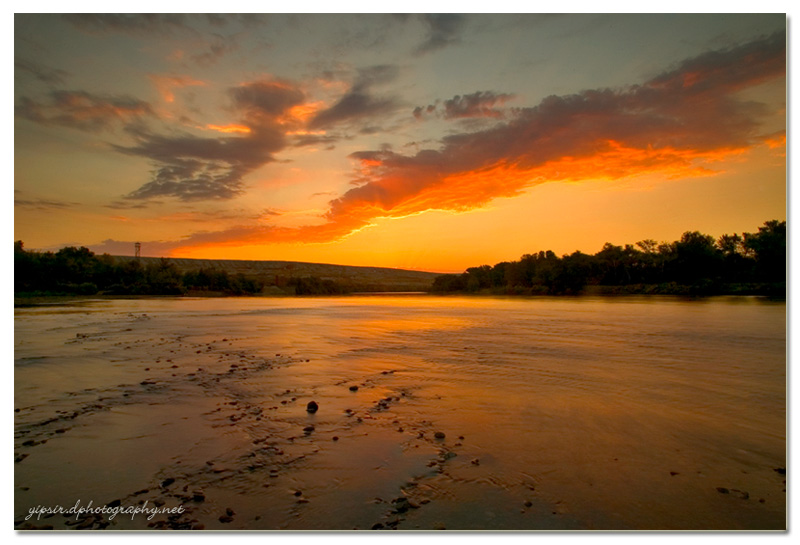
x: 225, y: 518
x: 335, y: 438
x: 780, y: 470
x: 308, y: 429
x: 166, y: 482
x: 377, y: 526
x: 475, y: 462
x: 198, y: 497
x: 723, y: 490
x: 528, y: 503
x: 312, y: 407
x: 115, y: 503
x: 353, y: 388
x: 400, y: 505
x: 298, y: 493
x: 229, y: 511
x: 439, y: 435
x: 673, y: 473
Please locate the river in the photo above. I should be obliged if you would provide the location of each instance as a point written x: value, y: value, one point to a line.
x: 434, y: 412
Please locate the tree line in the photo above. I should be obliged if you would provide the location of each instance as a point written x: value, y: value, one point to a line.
x: 697, y: 264
x: 78, y: 271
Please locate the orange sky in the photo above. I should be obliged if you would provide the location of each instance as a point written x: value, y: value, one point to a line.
x: 421, y: 151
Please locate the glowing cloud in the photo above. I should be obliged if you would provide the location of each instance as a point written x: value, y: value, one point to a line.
x: 675, y: 125
x: 167, y: 84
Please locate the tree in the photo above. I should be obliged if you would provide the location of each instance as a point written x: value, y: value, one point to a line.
x: 769, y: 249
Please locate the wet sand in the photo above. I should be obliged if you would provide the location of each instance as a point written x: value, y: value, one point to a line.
x: 207, y: 411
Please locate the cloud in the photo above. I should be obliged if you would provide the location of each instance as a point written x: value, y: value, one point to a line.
x: 443, y: 29
x: 478, y: 104
x: 218, y: 48
x: 42, y: 204
x: 143, y: 23
x: 193, y: 168
x: 166, y: 85
x: 83, y: 110
x: 675, y: 125
x: 50, y: 76
x: 267, y: 100
x: 359, y: 103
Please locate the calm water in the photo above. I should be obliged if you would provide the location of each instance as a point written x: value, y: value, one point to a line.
x: 585, y: 413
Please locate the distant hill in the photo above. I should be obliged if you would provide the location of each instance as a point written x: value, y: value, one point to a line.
x: 277, y: 273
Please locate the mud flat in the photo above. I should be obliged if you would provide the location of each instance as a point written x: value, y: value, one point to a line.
x: 421, y: 422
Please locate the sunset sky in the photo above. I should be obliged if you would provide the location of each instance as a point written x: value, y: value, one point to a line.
x: 433, y: 142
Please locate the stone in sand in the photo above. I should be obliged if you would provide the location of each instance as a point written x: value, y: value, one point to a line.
x: 353, y: 388
x: 439, y: 435
x: 312, y: 407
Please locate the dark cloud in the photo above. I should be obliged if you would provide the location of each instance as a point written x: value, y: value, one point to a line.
x: 42, y: 204
x: 443, y: 29
x: 478, y: 104
x: 140, y: 23
x: 83, y: 110
x: 673, y: 125
x: 50, y: 76
x: 268, y: 99
x: 126, y: 205
x: 218, y: 47
x: 359, y: 103
x: 193, y: 168
x: 328, y: 140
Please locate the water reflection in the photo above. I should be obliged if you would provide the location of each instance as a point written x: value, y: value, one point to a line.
x: 623, y: 412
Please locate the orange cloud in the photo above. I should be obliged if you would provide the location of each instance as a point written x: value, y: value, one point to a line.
x: 165, y: 85
x: 676, y: 125
x: 230, y: 128
x: 83, y: 110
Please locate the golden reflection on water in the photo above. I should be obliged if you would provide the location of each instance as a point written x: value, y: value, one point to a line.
x: 604, y: 413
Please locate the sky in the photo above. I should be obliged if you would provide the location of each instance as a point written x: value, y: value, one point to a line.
x: 432, y: 142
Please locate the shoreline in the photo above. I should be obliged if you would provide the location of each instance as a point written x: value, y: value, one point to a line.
x: 24, y: 300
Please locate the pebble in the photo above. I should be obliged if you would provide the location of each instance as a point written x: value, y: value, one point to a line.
x: 312, y: 407
x: 439, y: 435
x: 353, y: 388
